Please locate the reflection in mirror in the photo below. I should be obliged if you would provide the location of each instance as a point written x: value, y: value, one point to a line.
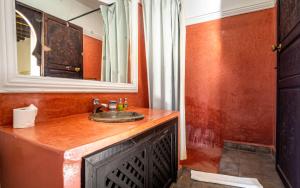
x: 77, y: 39
x: 26, y: 47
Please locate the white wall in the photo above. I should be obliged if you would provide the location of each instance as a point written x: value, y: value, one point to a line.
x: 197, y: 11
x: 66, y: 9
x: 24, y: 56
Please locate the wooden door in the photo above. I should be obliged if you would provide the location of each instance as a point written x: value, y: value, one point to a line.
x: 288, y: 93
x: 63, y: 49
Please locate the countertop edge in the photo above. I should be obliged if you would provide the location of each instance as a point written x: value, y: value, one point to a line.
x: 76, y: 154
x: 44, y: 146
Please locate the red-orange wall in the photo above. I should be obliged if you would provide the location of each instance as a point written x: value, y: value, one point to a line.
x: 92, y: 58
x: 230, y: 80
x: 59, y: 104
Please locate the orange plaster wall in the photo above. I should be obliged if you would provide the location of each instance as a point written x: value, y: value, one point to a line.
x: 22, y: 163
x: 230, y: 80
x: 64, y: 104
x: 92, y: 58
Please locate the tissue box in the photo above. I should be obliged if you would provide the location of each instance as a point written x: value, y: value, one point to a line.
x: 24, y: 117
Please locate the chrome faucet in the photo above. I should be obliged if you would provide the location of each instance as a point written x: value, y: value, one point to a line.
x: 97, y: 106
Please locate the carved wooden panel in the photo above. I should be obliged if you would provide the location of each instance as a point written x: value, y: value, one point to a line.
x: 289, y: 16
x: 63, y: 52
x: 288, y: 98
x: 289, y: 61
x: 289, y: 135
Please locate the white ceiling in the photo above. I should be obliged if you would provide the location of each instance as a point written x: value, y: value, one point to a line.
x: 197, y: 11
x: 94, y: 3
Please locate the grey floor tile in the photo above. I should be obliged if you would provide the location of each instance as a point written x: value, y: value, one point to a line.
x: 248, y: 169
x: 230, y: 155
x: 272, y: 183
x: 239, y: 163
x: 229, y: 168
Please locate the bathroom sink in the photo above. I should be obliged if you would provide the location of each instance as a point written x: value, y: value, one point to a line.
x: 116, y: 117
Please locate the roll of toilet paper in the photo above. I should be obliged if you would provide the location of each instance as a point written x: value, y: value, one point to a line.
x: 24, y: 117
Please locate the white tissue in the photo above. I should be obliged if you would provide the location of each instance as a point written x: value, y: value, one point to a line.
x: 24, y: 117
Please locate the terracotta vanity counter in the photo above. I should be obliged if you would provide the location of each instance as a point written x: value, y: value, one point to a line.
x: 50, y: 154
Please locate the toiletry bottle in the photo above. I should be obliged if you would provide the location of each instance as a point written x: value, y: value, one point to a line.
x: 112, y: 106
x: 120, y: 105
x: 125, y: 104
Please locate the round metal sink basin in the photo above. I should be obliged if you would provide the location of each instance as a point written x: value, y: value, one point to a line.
x: 116, y: 117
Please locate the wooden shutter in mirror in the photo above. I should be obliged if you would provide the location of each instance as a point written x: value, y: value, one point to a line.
x: 62, y: 48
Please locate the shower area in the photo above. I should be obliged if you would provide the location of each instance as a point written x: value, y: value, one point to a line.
x: 230, y: 88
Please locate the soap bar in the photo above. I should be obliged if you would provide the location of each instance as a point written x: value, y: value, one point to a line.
x: 24, y: 117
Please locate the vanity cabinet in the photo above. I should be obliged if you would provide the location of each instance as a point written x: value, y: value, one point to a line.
x: 148, y: 160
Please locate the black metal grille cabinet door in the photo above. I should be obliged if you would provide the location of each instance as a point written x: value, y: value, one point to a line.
x: 149, y: 160
x: 161, y: 160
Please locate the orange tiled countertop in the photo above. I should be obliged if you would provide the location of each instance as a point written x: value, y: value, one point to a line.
x: 69, y: 139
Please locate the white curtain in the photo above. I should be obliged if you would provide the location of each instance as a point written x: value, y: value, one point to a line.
x: 115, y: 44
x: 165, y: 49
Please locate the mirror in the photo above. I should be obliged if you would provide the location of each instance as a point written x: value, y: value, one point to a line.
x: 75, y: 39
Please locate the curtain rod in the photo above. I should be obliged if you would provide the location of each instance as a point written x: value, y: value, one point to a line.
x: 98, y: 9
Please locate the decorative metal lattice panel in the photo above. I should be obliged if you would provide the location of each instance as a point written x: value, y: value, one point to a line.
x: 145, y: 161
x: 161, y: 157
x: 131, y: 173
x: 127, y: 169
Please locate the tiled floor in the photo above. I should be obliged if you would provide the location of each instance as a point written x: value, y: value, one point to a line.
x: 239, y: 163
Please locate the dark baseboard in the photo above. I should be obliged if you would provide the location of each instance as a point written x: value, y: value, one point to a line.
x: 248, y: 147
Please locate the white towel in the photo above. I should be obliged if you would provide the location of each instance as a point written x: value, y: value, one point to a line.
x: 225, y: 180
